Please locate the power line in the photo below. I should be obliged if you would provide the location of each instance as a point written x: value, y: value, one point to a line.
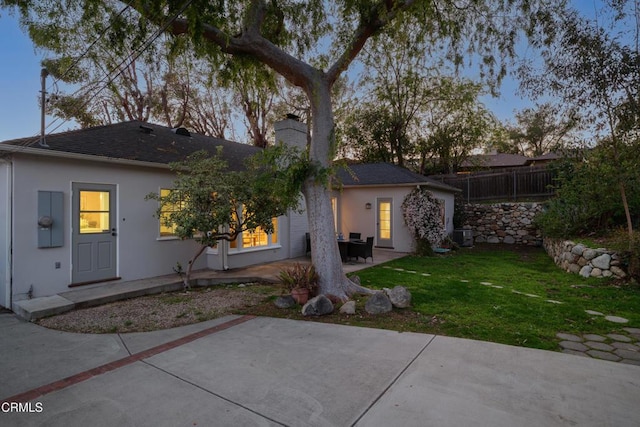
x: 118, y: 69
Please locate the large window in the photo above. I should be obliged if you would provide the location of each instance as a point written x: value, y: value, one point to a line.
x: 168, y: 209
x: 256, y: 238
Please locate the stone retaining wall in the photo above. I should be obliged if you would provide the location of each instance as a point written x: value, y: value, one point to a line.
x: 579, y: 259
x: 510, y: 223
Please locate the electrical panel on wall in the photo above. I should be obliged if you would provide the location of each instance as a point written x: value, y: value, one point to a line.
x: 50, y: 219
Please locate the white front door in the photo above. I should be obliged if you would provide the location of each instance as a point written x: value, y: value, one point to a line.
x: 384, y: 223
x: 94, y: 233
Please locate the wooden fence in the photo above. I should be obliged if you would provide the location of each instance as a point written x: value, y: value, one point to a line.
x: 506, y: 185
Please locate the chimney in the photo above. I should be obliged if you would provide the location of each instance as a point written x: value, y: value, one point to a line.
x: 291, y: 131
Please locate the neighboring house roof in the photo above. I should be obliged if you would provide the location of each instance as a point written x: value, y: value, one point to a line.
x: 546, y: 157
x: 134, y: 141
x: 386, y: 174
x: 498, y: 160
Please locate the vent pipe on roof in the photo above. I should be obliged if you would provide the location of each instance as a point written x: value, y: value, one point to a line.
x: 43, y: 105
x: 181, y: 131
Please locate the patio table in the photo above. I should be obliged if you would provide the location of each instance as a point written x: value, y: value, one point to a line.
x: 345, y: 245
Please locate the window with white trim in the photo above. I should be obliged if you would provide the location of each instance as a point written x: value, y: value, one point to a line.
x: 256, y: 238
x: 168, y: 209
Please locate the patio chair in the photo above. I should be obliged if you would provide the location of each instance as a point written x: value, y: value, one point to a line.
x: 354, y: 236
x: 363, y: 250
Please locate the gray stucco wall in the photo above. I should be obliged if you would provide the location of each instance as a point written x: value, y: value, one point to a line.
x: 140, y: 254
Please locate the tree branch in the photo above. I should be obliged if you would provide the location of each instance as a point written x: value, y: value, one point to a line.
x: 381, y: 14
x: 251, y: 42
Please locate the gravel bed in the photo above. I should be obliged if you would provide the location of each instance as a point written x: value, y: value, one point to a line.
x: 162, y: 311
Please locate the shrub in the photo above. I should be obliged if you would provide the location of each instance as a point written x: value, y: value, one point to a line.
x: 300, y: 276
x: 629, y: 251
x: 421, y: 212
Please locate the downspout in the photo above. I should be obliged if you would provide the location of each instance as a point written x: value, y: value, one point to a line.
x: 9, y: 255
x: 289, y: 248
x: 224, y: 251
x: 223, y: 246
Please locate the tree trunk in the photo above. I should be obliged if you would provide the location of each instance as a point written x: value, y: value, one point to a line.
x: 325, y: 254
x: 186, y: 281
x: 627, y: 213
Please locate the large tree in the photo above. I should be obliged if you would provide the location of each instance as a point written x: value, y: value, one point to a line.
x: 312, y: 43
x: 595, y: 66
x: 398, y: 88
x: 455, y: 122
x: 540, y: 130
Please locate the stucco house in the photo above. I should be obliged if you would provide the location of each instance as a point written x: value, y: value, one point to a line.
x: 73, y: 209
x: 371, y: 198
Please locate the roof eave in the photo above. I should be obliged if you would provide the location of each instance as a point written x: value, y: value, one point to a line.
x: 18, y: 149
x: 442, y: 187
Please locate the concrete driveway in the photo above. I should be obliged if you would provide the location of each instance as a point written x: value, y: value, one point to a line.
x: 238, y: 371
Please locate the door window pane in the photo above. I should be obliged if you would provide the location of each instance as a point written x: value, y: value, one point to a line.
x: 385, y: 220
x: 94, y: 212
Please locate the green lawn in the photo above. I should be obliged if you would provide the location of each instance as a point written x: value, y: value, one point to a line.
x: 451, y: 289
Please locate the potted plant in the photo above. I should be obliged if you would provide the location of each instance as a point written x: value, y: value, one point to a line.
x: 301, y: 280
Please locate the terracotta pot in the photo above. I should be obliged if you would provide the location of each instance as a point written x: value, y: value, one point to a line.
x: 301, y: 295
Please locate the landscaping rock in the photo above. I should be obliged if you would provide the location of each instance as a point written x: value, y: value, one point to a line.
x: 355, y: 279
x: 616, y: 319
x: 400, y: 297
x: 618, y: 337
x: 578, y: 250
x: 568, y: 337
x: 285, y: 302
x: 628, y: 354
x: 317, y: 306
x: 572, y: 345
x: 602, y: 262
x: 509, y: 240
x: 574, y: 268
x: 618, y: 272
x: 586, y: 271
x: 598, y: 346
x: 378, y: 303
x: 589, y: 254
x: 604, y: 355
x: 348, y: 307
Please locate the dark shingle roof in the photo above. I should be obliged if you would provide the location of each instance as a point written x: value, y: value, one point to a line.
x: 385, y: 174
x: 130, y: 141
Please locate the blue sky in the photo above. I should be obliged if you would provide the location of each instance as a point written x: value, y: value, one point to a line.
x: 20, y: 85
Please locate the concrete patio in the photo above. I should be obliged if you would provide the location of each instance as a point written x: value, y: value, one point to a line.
x: 244, y: 370
x: 103, y: 293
